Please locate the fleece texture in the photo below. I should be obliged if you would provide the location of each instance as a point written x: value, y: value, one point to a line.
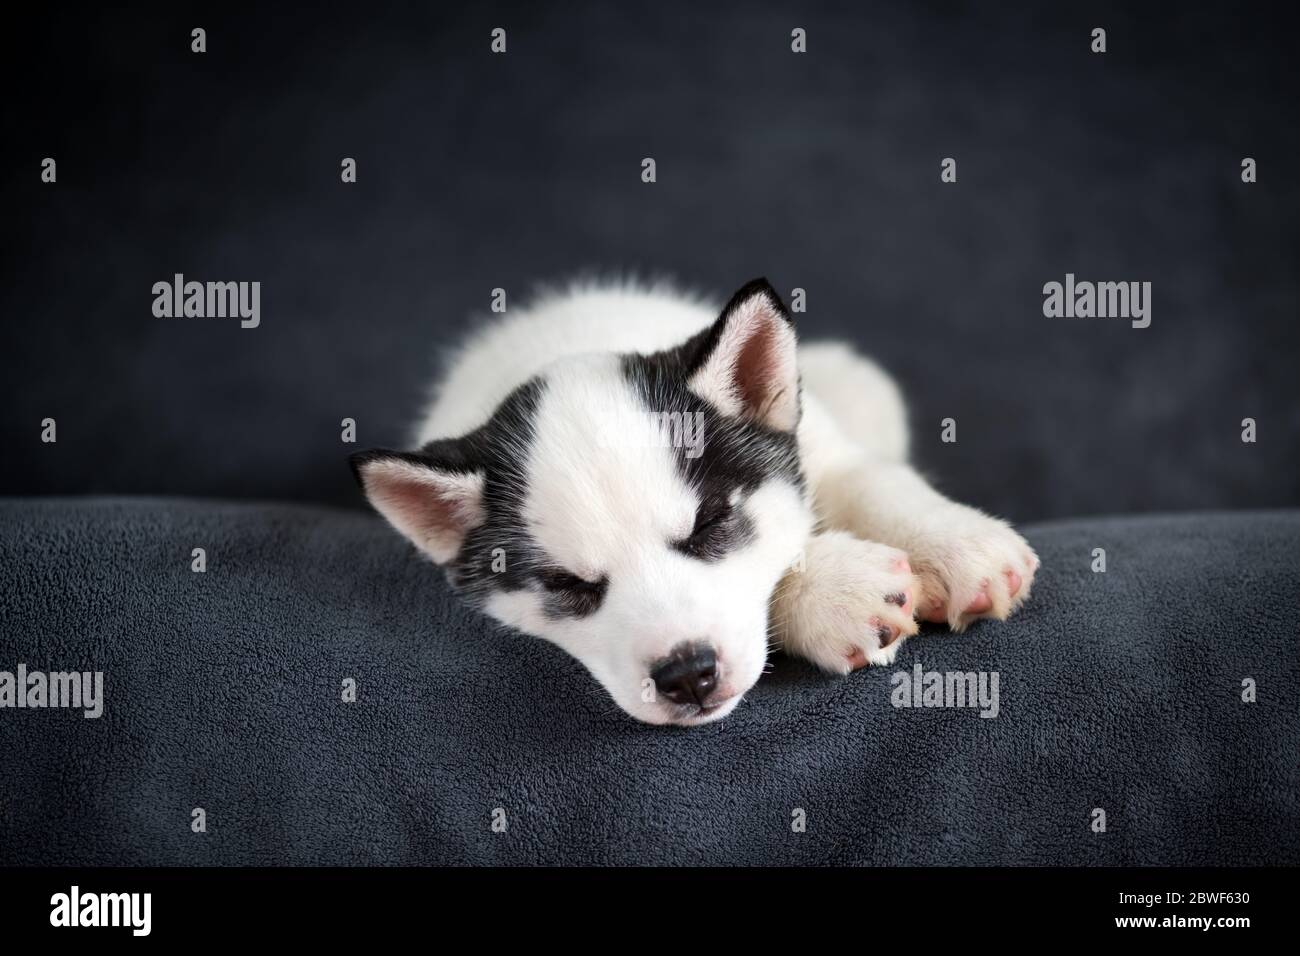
x: 1120, y: 691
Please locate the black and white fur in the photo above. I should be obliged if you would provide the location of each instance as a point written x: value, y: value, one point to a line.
x: 667, y: 570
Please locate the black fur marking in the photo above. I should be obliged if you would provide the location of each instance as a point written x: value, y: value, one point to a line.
x: 499, y: 554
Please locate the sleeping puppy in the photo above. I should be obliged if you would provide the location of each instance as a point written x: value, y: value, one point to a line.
x: 664, y: 490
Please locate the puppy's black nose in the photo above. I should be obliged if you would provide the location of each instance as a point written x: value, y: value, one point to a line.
x: 688, y: 675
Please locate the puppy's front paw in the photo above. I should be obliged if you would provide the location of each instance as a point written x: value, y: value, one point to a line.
x: 851, y: 604
x: 970, y: 566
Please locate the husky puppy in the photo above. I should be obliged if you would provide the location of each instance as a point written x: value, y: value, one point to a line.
x: 661, y: 489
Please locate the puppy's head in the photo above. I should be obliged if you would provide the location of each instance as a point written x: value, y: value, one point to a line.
x: 636, y: 510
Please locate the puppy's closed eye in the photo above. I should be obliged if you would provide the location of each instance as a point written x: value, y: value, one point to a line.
x: 571, y: 595
x: 557, y: 579
x: 711, y: 537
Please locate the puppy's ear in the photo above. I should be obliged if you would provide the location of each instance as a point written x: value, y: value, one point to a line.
x: 745, y: 364
x: 432, y: 505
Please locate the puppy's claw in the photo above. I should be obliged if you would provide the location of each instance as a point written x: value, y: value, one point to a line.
x: 1013, y: 581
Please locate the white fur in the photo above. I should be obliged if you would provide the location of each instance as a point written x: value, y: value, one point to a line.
x: 603, y: 510
x: 518, y: 345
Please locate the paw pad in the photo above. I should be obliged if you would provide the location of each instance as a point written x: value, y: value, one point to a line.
x: 982, y: 602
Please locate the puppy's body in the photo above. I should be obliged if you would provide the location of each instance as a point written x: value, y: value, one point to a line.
x: 553, y: 483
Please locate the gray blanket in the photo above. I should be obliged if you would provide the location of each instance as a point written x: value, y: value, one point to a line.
x: 1119, y: 692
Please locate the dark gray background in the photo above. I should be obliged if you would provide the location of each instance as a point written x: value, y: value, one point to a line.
x: 820, y: 171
